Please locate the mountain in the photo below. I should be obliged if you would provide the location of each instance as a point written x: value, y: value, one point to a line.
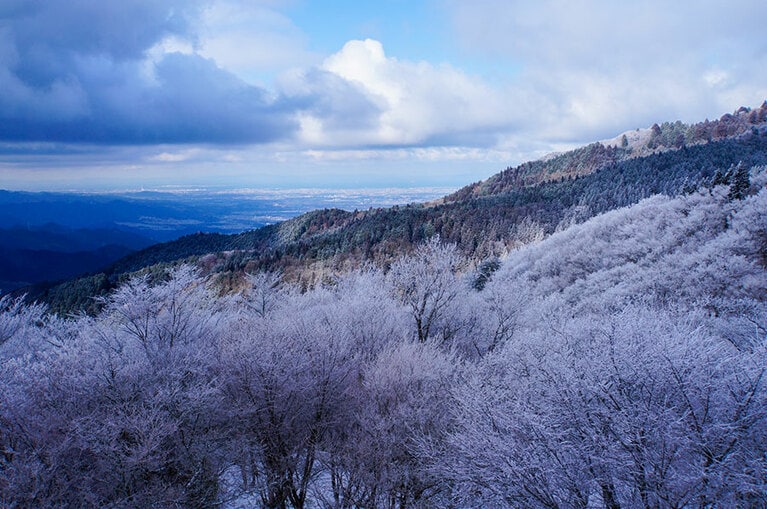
x: 613, y: 356
x: 669, y: 136
x: 618, y: 362
x: 55, y: 237
x: 485, y: 219
x: 46, y: 228
x: 77, y: 211
x: 52, y: 252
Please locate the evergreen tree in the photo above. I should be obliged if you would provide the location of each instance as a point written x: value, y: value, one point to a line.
x: 741, y: 182
x: 485, y: 273
x: 719, y: 179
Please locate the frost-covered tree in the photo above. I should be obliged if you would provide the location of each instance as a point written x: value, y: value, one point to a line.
x: 265, y: 293
x: 372, y: 318
x: 741, y: 182
x: 285, y: 387
x: 641, y: 409
x: 427, y: 283
x: 124, y: 412
x: 401, y: 398
x: 501, y: 309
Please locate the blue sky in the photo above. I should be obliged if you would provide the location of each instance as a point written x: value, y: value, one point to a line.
x: 144, y: 93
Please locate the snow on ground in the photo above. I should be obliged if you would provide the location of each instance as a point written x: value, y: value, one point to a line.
x: 637, y: 138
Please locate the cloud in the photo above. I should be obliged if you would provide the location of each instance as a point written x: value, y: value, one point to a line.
x: 104, y: 72
x: 593, y: 67
x: 238, y: 84
x: 384, y: 101
x: 252, y: 40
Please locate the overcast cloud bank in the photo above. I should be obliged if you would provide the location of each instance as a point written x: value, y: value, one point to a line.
x: 240, y: 83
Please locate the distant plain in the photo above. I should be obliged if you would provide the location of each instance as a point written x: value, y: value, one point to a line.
x: 51, y: 236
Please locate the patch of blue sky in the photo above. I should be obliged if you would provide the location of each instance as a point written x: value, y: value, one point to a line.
x: 409, y: 30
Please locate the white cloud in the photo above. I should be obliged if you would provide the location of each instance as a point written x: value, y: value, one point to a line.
x: 595, y: 67
x: 716, y: 78
x: 176, y: 156
x: 430, y: 154
x: 252, y: 39
x: 413, y: 102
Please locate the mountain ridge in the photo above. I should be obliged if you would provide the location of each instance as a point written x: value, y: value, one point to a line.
x: 589, y: 158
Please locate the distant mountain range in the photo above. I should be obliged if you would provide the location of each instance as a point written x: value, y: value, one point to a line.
x: 53, y: 252
x: 485, y: 219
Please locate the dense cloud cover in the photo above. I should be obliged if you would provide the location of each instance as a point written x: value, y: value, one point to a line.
x: 596, y: 65
x: 251, y: 87
x: 84, y: 72
x: 137, y: 73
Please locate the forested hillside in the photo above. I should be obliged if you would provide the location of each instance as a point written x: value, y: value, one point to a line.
x: 483, y: 220
x: 668, y: 136
x: 620, y: 362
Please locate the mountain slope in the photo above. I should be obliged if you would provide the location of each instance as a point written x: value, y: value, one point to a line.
x: 684, y: 251
x: 659, y: 138
x: 618, y: 183
x: 620, y: 362
x: 482, y: 219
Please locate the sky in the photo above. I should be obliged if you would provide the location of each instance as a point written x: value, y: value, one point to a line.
x: 126, y: 94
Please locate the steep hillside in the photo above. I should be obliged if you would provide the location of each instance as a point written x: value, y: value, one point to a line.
x: 686, y: 251
x: 483, y: 220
